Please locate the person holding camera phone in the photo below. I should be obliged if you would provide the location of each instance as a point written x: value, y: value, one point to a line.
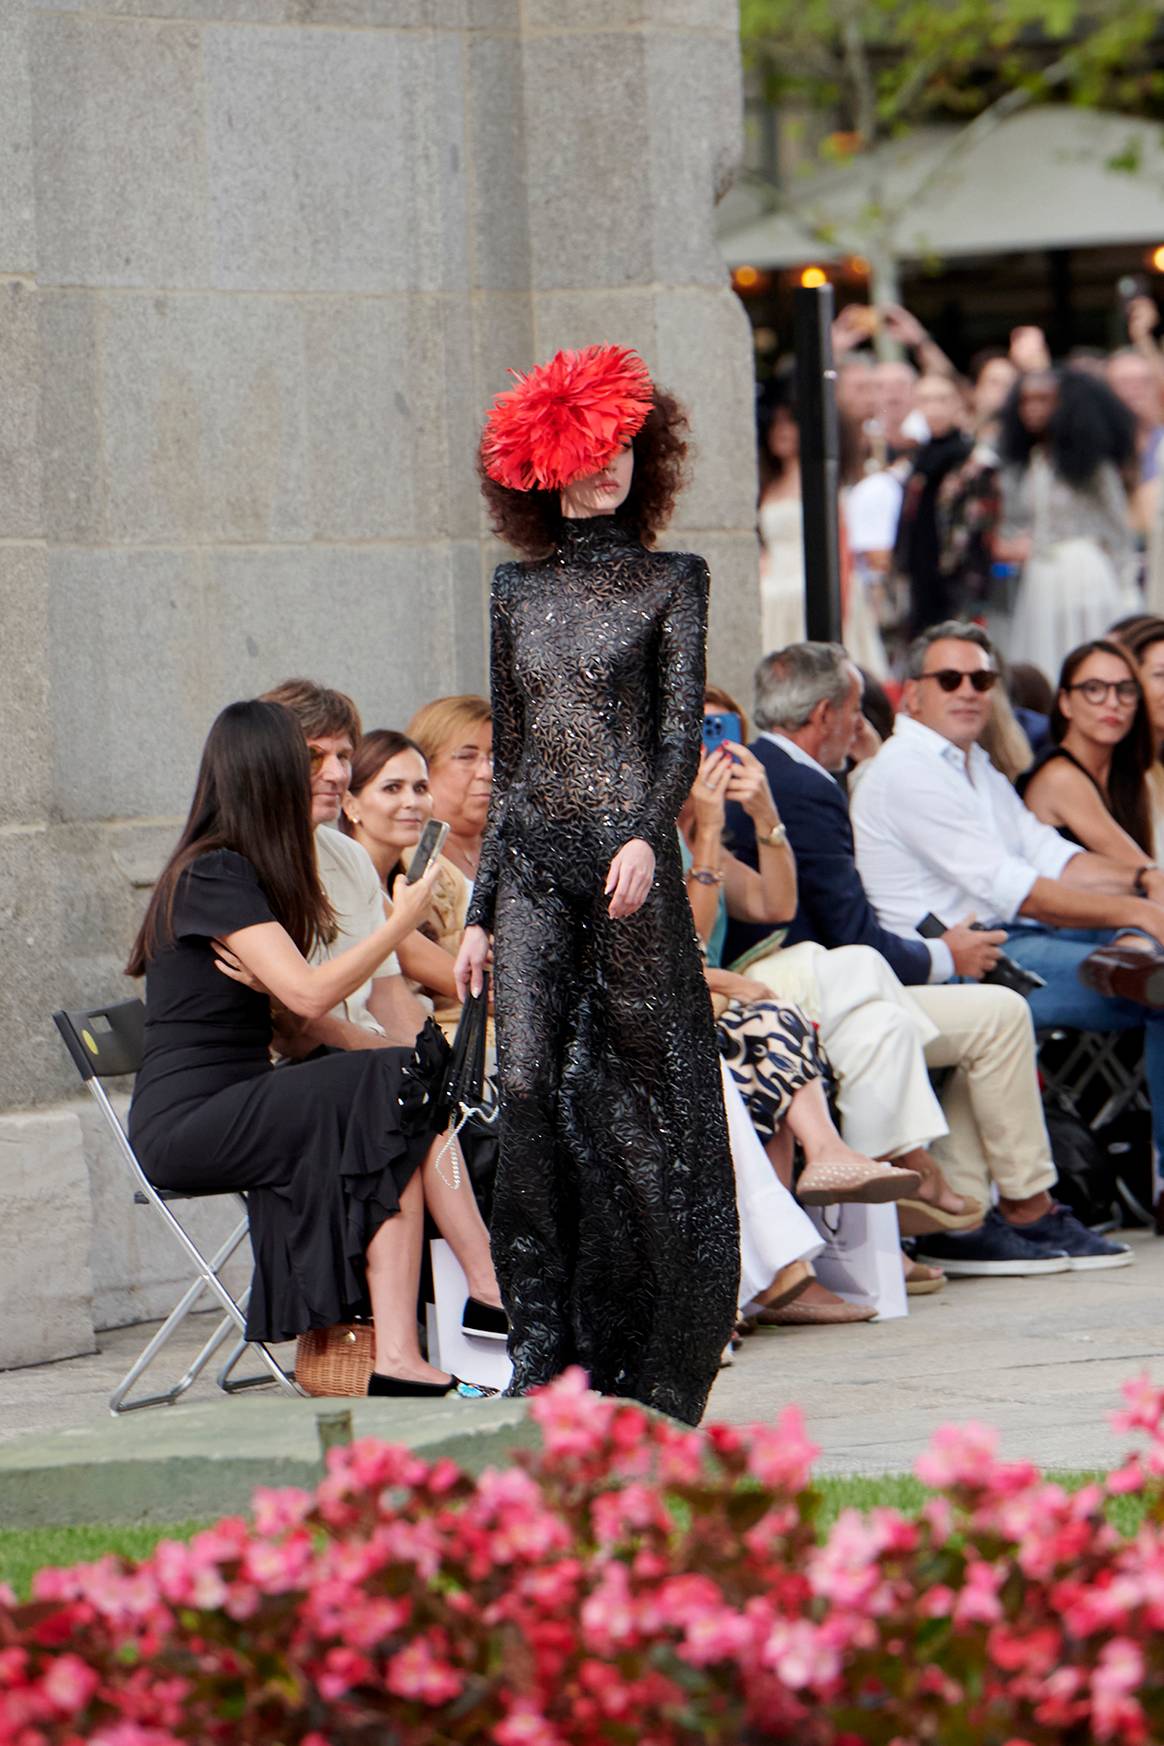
x: 614, y: 1229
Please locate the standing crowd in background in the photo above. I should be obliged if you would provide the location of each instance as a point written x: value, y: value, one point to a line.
x: 1023, y: 494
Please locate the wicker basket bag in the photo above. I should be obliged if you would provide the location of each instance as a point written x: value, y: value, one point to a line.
x: 335, y: 1361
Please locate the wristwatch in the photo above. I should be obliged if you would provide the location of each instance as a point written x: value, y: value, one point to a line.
x: 775, y: 838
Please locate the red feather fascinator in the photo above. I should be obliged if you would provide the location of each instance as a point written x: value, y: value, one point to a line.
x: 566, y: 419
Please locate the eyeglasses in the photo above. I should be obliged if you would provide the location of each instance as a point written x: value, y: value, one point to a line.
x: 950, y: 678
x: 1097, y: 690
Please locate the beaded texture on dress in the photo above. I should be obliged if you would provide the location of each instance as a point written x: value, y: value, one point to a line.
x: 614, y: 1229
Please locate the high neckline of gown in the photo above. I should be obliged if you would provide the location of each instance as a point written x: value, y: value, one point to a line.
x: 591, y: 538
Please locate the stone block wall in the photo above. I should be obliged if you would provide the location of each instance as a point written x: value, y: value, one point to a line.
x: 262, y: 265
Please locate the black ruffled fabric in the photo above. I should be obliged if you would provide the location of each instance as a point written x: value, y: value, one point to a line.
x: 310, y: 1235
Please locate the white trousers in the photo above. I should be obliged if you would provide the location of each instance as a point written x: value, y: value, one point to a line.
x: 882, y: 1038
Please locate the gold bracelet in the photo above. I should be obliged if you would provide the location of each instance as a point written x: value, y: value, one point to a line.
x: 775, y: 838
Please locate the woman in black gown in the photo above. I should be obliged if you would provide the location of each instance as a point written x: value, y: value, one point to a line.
x: 331, y: 1153
x: 614, y: 1226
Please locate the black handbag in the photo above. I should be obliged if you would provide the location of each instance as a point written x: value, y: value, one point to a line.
x: 468, y: 1101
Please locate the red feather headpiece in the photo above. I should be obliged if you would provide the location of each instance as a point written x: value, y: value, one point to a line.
x: 566, y: 419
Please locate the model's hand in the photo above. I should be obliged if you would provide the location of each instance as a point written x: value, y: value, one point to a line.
x: 974, y: 952
x: 709, y: 791
x: 411, y: 903
x: 472, y: 962
x: 631, y: 876
x: 236, y: 969
x: 748, y: 784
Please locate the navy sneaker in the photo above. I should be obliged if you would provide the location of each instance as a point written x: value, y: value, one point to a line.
x: 998, y: 1250
x: 1085, y: 1250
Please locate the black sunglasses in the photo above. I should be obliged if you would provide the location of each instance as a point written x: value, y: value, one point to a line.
x: 949, y: 678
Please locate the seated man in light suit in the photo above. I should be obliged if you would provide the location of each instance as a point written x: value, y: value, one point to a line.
x: 808, y: 700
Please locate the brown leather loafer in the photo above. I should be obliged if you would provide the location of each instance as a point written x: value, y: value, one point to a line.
x: 1125, y: 973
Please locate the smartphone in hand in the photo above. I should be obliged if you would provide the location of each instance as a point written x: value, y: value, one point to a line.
x: 432, y: 841
x: 721, y: 727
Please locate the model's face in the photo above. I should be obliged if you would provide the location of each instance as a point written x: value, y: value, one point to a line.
x: 600, y: 493
x: 995, y: 381
x: 1134, y: 380
x: 940, y: 404
x: 960, y: 715
x: 391, y: 810
x: 1037, y: 398
x: 783, y: 436
x: 839, y: 726
x: 461, y: 780
x: 1152, y: 681
x: 331, y: 769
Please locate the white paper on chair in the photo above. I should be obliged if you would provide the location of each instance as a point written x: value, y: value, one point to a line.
x: 773, y: 1229
x: 861, y: 1259
x: 473, y: 1360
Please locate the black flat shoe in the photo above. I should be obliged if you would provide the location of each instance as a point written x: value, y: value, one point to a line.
x: 484, y: 1321
x: 399, y: 1389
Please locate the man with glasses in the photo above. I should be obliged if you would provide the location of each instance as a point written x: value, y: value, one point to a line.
x: 808, y: 708
x: 940, y: 831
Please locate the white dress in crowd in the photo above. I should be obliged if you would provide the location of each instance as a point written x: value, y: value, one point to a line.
x: 782, y: 590
x: 1081, y: 574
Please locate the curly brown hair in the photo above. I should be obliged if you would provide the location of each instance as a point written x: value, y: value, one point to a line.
x: 529, y: 521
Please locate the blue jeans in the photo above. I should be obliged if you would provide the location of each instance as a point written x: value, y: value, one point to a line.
x: 1055, y: 954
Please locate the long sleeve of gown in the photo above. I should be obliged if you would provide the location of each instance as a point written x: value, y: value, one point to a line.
x: 682, y: 675
x: 507, y: 736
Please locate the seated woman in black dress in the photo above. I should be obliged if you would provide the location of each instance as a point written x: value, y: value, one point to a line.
x: 1091, y: 782
x: 332, y: 1153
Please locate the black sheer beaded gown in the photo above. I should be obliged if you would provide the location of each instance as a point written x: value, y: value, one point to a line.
x: 614, y: 1227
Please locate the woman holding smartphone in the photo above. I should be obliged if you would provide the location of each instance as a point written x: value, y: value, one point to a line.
x: 614, y: 1224
x: 332, y: 1153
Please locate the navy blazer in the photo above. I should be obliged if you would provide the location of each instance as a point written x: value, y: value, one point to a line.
x: 833, y: 907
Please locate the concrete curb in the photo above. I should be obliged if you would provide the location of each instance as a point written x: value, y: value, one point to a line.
x: 185, y: 1462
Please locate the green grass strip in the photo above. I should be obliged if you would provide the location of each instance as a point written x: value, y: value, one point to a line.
x: 24, y: 1551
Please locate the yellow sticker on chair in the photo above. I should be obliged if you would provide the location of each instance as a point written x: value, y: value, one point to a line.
x: 90, y: 1042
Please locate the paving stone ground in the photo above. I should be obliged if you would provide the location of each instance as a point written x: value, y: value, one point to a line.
x: 1042, y: 1359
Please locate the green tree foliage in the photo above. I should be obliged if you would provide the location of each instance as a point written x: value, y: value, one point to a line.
x: 876, y: 69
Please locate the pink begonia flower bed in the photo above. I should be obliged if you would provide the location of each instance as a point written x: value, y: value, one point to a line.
x: 631, y: 1582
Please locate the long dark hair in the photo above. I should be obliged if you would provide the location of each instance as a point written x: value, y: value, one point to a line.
x: 1131, y: 759
x: 253, y: 795
x: 1090, y: 425
x: 371, y: 755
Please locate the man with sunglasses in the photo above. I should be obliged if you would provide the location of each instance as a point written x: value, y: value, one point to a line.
x: 808, y: 708
x: 940, y: 831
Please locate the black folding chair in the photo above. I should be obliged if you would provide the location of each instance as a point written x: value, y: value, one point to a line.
x: 106, y: 1042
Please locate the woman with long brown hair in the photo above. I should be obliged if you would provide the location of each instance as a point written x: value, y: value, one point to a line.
x: 331, y: 1153
x: 1091, y: 782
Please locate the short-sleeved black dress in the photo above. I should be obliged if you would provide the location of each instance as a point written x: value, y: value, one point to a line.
x: 323, y: 1149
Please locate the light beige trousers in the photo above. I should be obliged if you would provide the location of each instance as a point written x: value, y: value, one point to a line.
x: 882, y: 1038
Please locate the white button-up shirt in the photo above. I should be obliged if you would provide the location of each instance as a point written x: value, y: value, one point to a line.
x: 937, y: 832
x: 941, y: 957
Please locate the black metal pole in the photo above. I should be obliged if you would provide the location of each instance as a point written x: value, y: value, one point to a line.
x: 816, y: 383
